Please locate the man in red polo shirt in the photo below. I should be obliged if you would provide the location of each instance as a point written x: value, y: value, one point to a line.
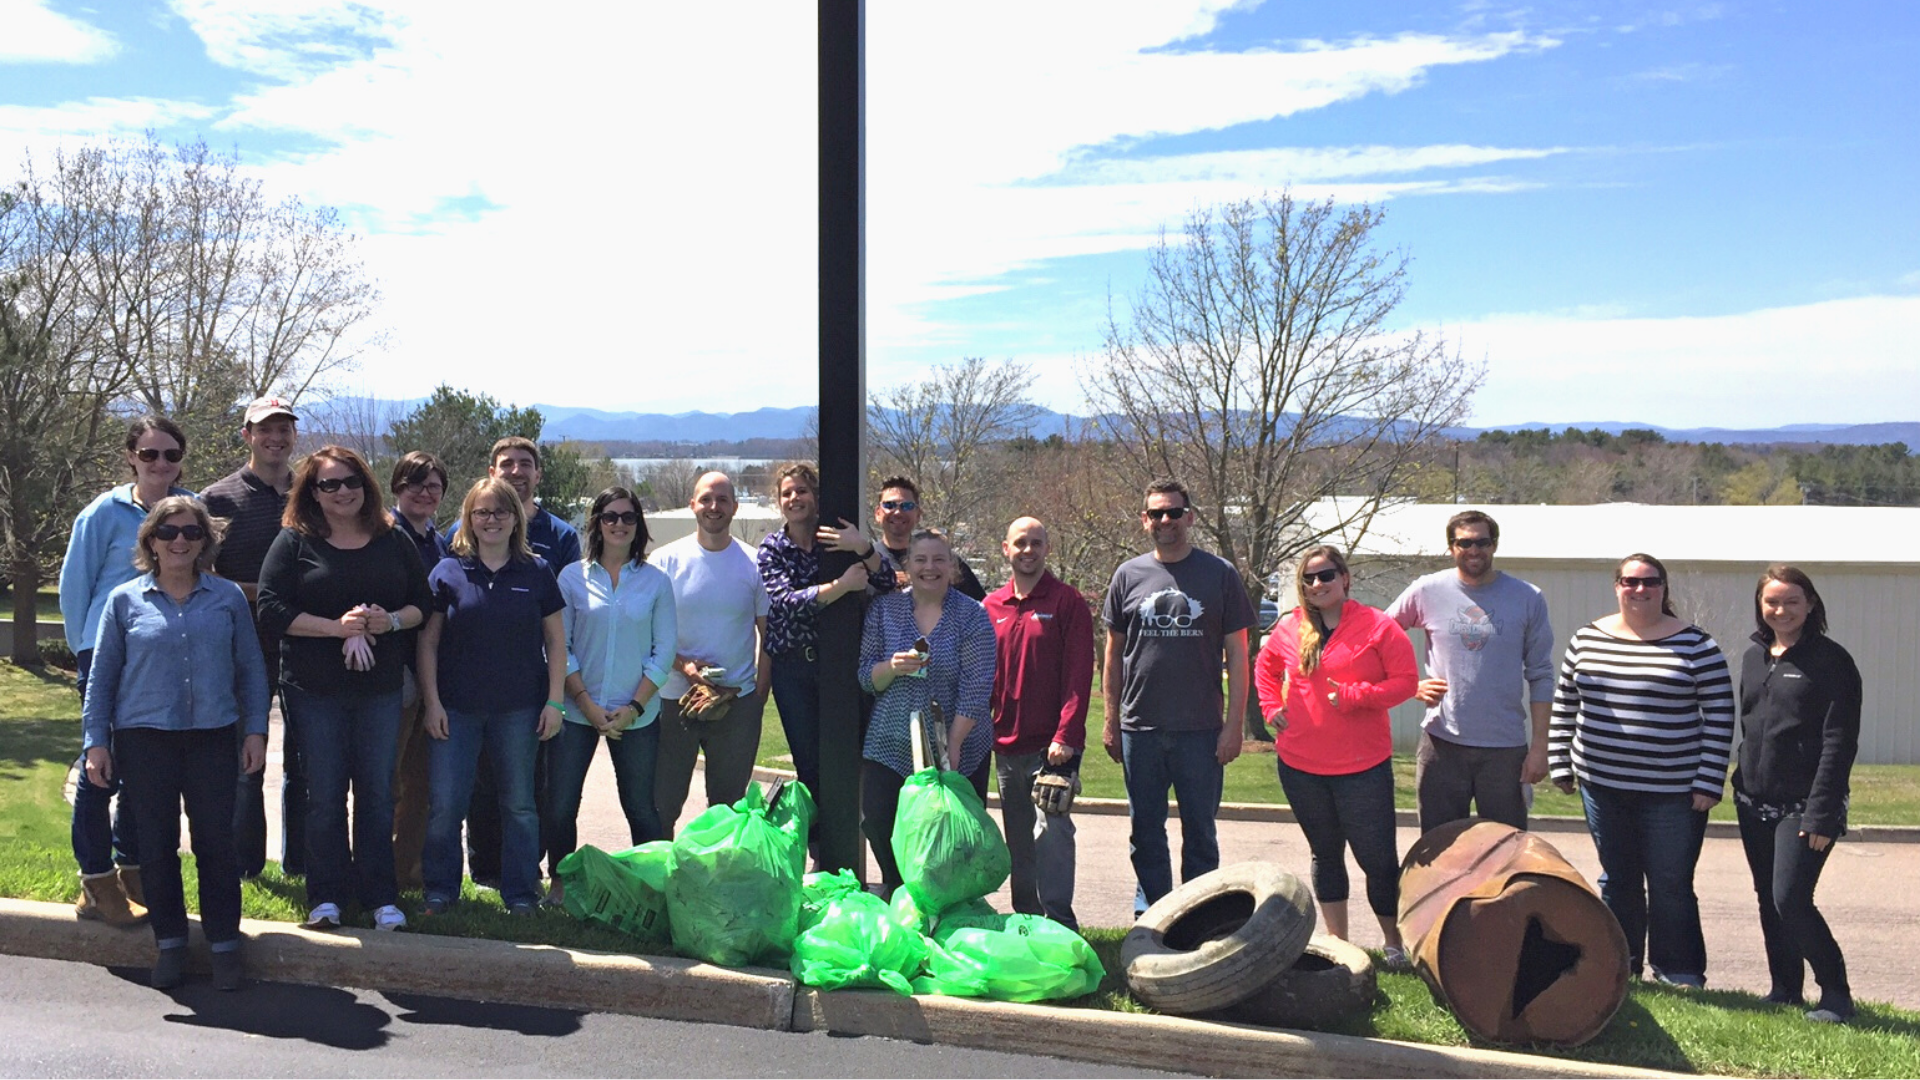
x: 1043, y: 680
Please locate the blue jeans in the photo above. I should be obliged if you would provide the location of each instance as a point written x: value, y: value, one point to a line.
x: 1785, y: 872
x: 796, y: 692
x: 510, y: 739
x: 1185, y: 761
x: 635, y: 755
x: 164, y: 770
x: 348, y: 741
x: 1648, y: 843
x: 101, y: 836
x: 1352, y: 809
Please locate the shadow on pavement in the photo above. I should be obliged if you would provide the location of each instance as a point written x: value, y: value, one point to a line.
x: 315, y: 1014
x: 519, y: 1019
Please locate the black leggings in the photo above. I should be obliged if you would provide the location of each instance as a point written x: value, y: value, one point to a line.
x: 1356, y: 809
x: 880, y: 802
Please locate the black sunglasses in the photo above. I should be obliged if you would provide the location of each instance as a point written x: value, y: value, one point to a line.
x: 168, y: 533
x: 1468, y: 543
x: 1322, y: 577
x: 1640, y: 582
x: 351, y: 483
x: 149, y: 453
x: 900, y: 504
x: 619, y: 517
x: 1168, y: 513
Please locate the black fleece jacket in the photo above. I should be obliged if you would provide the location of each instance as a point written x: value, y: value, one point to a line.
x: 1800, y: 724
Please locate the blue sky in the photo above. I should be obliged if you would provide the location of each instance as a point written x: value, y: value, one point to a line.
x: 1689, y: 214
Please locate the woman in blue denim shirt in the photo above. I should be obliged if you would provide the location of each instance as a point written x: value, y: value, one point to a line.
x: 956, y: 670
x: 176, y: 668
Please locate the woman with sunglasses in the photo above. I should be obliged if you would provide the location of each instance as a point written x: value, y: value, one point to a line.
x: 100, y: 558
x: 1327, y: 676
x: 1643, y: 721
x: 491, y: 660
x: 621, y: 633
x: 1800, y: 723
x: 177, y: 676
x: 338, y: 584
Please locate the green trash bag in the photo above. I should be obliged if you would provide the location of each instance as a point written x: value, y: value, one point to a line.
x: 1008, y: 958
x: 734, y: 896
x: 857, y: 943
x: 625, y: 889
x: 948, y: 849
x: 820, y: 888
x: 791, y: 809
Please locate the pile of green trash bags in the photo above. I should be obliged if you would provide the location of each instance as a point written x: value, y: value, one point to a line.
x: 731, y: 891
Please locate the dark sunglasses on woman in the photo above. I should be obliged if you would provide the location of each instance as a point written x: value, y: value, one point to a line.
x: 351, y: 483
x: 619, y: 517
x: 166, y: 534
x: 1322, y: 577
x: 151, y: 454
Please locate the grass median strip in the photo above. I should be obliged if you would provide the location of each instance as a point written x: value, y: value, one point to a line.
x: 1659, y: 1027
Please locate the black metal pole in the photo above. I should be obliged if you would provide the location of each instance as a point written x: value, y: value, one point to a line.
x: 843, y: 393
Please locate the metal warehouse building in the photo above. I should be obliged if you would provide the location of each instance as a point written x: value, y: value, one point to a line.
x: 1865, y: 561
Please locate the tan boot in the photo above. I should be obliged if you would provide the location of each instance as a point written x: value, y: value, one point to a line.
x: 103, y: 898
x: 130, y: 884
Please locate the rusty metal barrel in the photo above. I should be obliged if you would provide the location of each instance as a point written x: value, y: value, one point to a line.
x: 1510, y: 936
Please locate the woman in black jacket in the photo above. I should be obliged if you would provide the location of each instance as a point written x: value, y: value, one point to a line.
x: 1800, y: 712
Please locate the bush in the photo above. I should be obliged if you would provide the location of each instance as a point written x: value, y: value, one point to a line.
x: 54, y: 651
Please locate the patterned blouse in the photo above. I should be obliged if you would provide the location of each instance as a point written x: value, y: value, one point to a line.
x: 790, y: 572
x: 959, y: 675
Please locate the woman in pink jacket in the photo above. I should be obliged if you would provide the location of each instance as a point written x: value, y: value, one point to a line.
x: 1327, y: 676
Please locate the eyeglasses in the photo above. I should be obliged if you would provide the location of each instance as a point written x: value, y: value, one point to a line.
x: 166, y: 534
x: 903, y: 505
x: 1321, y: 577
x: 1469, y: 543
x: 1168, y: 513
x: 351, y: 483
x: 152, y: 454
x: 482, y: 513
x: 1632, y: 583
x: 619, y: 517
x: 434, y: 490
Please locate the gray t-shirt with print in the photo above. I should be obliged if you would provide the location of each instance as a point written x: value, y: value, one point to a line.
x: 1490, y: 642
x: 1174, y: 619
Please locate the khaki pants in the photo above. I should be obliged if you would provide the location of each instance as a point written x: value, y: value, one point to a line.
x: 410, y: 788
x: 731, y: 744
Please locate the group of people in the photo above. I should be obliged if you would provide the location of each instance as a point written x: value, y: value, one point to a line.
x: 462, y: 682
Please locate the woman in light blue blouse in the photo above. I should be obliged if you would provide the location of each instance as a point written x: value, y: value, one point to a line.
x: 956, y: 671
x: 621, y: 636
x: 176, y: 668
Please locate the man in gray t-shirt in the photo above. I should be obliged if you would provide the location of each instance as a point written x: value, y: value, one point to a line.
x: 1174, y: 616
x: 1488, y: 637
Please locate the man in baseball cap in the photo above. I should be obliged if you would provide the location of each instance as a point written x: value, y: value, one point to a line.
x: 264, y: 407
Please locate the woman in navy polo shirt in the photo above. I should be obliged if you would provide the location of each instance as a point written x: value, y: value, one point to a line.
x: 621, y: 635
x: 496, y: 684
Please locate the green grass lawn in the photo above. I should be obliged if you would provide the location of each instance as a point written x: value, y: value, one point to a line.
x: 1660, y: 1028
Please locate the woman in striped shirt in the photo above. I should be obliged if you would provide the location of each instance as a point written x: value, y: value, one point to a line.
x: 1643, y: 719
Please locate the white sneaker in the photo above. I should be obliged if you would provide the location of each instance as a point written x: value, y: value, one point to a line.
x: 323, y: 917
x: 389, y: 918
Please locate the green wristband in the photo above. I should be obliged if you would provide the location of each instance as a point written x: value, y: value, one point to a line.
x: 557, y: 707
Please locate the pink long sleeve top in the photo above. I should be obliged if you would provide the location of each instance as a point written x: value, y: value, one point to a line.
x: 1369, y: 659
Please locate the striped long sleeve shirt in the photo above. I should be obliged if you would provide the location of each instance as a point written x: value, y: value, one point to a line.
x: 1643, y: 715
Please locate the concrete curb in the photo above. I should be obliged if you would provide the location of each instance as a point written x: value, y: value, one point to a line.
x: 676, y: 989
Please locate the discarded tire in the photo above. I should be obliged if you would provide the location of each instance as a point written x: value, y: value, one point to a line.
x: 1331, y: 981
x: 1510, y: 936
x: 1218, y: 939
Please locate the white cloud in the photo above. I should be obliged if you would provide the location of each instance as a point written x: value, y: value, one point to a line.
x: 36, y: 34
x: 1296, y: 165
x: 282, y: 39
x: 1840, y: 360
x: 41, y: 130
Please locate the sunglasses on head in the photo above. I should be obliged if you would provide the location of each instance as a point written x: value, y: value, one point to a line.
x: 1468, y: 543
x: 900, y: 504
x: 149, y: 453
x: 619, y: 517
x: 1322, y: 577
x: 1631, y: 583
x: 351, y: 483
x: 168, y: 533
x: 1168, y: 513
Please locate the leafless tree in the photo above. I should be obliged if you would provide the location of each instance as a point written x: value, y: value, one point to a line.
x: 668, y: 485
x: 942, y: 432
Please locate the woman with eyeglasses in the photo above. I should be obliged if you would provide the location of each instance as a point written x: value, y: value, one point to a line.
x: 1643, y: 722
x: 418, y: 484
x: 955, y: 669
x: 339, y: 583
x: 1327, y: 676
x: 100, y: 558
x: 621, y: 633
x: 491, y: 659
x: 1800, y: 722
x: 178, y: 676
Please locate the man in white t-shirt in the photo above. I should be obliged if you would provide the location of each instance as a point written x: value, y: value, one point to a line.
x: 721, y: 609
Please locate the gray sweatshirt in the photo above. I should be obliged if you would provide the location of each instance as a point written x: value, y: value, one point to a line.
x: 1486, y: 641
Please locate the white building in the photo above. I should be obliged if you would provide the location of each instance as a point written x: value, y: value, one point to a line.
x: 1864, y: 560
x: 751, y: 523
